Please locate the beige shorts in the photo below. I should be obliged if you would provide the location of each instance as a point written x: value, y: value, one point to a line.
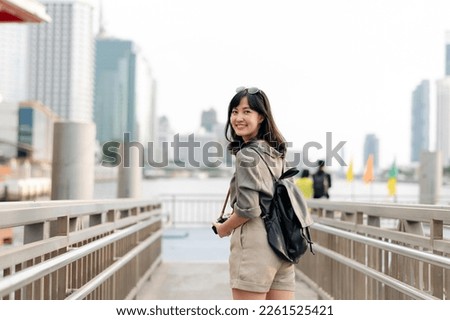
x: 253, y: 265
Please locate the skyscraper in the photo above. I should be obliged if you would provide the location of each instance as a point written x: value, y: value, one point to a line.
x: 420, y: 122
x: 447, y: 54
x: 371, y: 146
x: 62, y: 59
x: 443, y: 119
x: 124, y: 92
x: 209, y: 119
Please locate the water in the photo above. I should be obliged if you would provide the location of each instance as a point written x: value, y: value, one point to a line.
x: 157, y: 187
x: 341, y: 190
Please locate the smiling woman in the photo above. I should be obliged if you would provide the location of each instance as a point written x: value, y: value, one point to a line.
x: 256, y: 272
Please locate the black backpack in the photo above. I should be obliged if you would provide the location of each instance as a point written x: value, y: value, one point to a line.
x: 287, y: 237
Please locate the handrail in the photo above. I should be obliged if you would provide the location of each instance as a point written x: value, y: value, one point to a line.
x: 417, y: 212
x: 392, y: 282
x: 29, y: 214
x: 24, y: 277
x: 437, y: 260
x: 380, y: 250
x: 82, y: 292
x: 74, y: 244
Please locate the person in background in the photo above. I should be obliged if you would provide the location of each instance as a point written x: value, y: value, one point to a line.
x: 305, y: 184
x: 256, y: 272
x: 321, y: 182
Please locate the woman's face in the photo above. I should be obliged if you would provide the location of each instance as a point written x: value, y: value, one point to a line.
x: 245, y: 121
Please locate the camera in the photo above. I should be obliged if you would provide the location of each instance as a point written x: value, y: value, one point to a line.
x: 221, y: 219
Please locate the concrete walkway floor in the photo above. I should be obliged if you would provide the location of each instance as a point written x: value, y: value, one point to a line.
x: 199, y: 281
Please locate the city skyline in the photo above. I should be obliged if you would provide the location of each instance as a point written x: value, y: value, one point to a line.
x: 347, y: 67
x: 336, y: 101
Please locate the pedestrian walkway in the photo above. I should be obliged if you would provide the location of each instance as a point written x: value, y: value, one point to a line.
x: 195, y: 267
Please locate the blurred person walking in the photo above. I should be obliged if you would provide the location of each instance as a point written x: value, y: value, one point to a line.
x: 321, y: 182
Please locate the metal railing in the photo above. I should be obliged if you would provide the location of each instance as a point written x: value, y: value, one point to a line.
x: 106, y: 249
x: 103, y: 249
x: 379, y: 251
x: 183, y: 209
x: 364, y: 250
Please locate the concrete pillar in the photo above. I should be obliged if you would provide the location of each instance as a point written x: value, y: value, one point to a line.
x: 73, y: 161
x: 129, y: 182
x: 430, y: 177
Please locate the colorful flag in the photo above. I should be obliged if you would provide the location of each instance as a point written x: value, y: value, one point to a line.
x: 368, y: 172
x: 350, y: 172
x: 392, y: 180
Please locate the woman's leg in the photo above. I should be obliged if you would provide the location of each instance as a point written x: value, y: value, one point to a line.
x: 280, y: 295
x: 247, y: 295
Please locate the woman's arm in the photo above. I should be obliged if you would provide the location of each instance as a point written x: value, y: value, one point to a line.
x: 234, y: 221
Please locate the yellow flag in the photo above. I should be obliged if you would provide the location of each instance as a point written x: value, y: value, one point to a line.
x: 368, y: 173
x: 350, y: 172
x: 392, y: 186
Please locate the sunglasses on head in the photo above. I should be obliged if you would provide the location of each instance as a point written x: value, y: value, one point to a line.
x: 251, y: 90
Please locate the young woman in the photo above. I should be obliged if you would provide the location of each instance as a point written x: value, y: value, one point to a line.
x: 256, y: 272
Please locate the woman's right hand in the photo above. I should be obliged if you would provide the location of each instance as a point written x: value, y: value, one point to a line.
x: 221, y: 230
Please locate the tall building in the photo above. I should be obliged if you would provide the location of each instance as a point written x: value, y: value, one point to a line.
x: 13, y: 62
x: 124, y: 99
x: 8, y: 129
x: 443, y: 119
x: 62, y: 60
x: 35, y: 129
x: 371, y: 146
x: 447, y: 54
x: 420, y: 120
x: 209, y: 120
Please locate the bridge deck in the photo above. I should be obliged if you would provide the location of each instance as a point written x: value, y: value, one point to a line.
x: 195, y: 267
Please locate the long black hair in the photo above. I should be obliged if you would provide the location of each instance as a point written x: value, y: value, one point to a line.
x: 268, y: 130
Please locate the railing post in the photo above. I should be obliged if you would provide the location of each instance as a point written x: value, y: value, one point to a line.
x: 437, y: 273
x: 348, y: 282
x: 172, y: 213
x: 62, y: 229
x: 374, y: 288
x: 360, y: 256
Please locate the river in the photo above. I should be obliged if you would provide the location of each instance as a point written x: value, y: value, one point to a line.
x: 341, y: 190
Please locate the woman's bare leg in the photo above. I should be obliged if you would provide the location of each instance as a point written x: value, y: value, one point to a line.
x: 280, y: 295
x: 247, y: 295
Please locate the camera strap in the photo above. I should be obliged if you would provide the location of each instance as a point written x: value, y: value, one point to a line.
x: 225, y: 203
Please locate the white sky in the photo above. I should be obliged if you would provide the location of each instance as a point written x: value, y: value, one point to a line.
x: 348, y: 67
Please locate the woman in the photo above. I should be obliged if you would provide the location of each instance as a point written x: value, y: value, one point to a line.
x: 256, y: 272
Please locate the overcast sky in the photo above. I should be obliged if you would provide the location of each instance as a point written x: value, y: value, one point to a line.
x: 346, y: 67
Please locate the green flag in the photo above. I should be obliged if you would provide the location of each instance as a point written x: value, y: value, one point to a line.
x: 392, y: 181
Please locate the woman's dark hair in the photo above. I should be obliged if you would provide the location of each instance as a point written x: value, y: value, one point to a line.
x: 268, y: 130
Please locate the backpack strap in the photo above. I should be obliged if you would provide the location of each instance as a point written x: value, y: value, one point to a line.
x: 268, y: 167
x: 307, y: 236
x: 284, y: 174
